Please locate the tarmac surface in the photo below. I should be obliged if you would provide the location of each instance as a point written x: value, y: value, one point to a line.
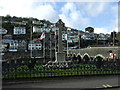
x: 81, y: 83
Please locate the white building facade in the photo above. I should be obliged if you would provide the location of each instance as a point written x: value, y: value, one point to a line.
x: 38, y: 29
x: 3, y: 31
x: 34, y: 46
x: 19, y: 30
x: 13, y: 45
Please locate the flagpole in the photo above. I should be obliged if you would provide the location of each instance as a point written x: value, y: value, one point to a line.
x: 79, y: 38
x: 67, y: 42
x: 31, y: 42
x: 50, y: 46
x: 68, y: 29
x: 55, y: 36
x: 44, y: 48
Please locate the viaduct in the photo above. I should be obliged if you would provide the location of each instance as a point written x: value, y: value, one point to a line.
x: 94, y: 52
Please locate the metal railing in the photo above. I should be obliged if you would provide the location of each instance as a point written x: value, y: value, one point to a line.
x: 34, y: 68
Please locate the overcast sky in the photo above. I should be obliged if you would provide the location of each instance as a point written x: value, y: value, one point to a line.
x: 102, y: 16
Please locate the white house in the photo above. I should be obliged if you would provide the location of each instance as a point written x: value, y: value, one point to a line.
x: 37, y: 29
x: 19, y: 30
x: 13, y: 45
x: 102, y: 36
x: 34, y: 46
x: 3, y: 31
x: 6, y: 38
x: 36, y: 22
x: 21, y: 23
x: 22, y: 45
x: 40, y: 29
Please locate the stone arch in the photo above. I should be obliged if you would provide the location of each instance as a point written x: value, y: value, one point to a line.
x: 79, y: 58
x: 79, y: 54
x: 74, y: 58
x: 86, y: 58
x: 98, y: 59
x: 99, y: 55
x: 70, y: 56
x: 74, y: 54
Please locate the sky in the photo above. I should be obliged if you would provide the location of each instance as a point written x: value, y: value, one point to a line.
x: 102, y: 16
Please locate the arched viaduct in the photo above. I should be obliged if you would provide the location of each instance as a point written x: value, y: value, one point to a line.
x: 94, y: 52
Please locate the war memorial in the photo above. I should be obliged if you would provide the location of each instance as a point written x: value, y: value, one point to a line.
x: 79, y: 62
x: 54, y: 44
x: 88, y: 61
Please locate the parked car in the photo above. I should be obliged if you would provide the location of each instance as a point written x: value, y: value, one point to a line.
x: 74, y: 47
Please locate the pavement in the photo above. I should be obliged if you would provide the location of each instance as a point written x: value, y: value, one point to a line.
x: 81, y: 83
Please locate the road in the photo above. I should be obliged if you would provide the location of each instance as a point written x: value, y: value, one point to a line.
x: 71, y: 82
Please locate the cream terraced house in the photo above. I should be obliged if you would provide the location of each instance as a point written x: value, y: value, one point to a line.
x: 19, y: 30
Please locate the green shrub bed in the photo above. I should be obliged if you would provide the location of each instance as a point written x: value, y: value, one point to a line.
x: 40, y: 71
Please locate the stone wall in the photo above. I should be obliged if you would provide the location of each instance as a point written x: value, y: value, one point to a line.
x: 93, y: 51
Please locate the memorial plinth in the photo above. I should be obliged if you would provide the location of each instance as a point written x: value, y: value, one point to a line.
x: 60, y: 56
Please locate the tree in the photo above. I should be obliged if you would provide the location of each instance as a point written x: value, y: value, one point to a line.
x: 113, y: 34
x: 99, y: 62
x: 89, y: 29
